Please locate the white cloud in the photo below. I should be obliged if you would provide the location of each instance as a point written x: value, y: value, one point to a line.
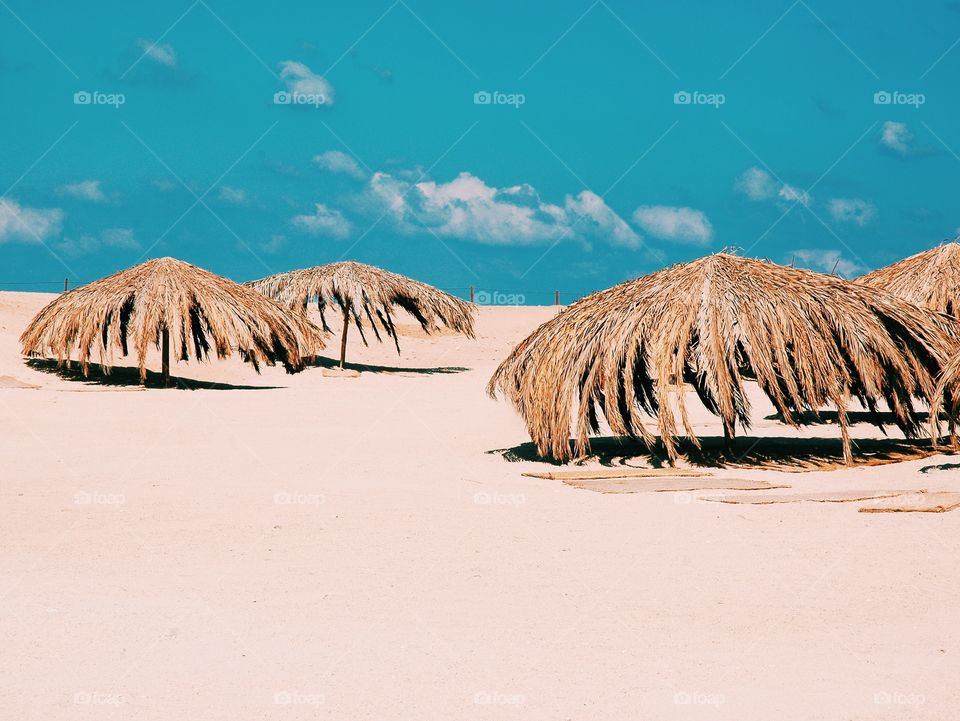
x: 121, y: 238
x: 163, y: 185
x: 236, y: 196
x: 756, y: 184
x: 274, y: 245
x: 792, y: 194
x: 301, y: 80
x: 896, y: 137
x: 85, y: 190
x: 162, y: 54
x: 32, y: 225
x: 325, y: 221
x: 828, y: 261
x: 467, y: 208
x: 588, y: 211
x: 335, y: 161
x: 852, y: 210
x: 680, y: 224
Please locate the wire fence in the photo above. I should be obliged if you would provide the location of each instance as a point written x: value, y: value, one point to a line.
x: 481, y: 295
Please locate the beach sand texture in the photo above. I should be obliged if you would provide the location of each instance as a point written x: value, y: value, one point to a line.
x: 361, y: 547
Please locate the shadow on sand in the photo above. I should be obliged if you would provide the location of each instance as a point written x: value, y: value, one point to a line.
x: 767, y: 453
x: 126, y: 376
x: 809, y: 418
x: 323, y: 362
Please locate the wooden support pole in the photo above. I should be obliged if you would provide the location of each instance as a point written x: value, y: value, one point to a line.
x: 165, y: 368
x: 66, y: 284
x: 729, y: 439
x: 471, y: 294
x: 556, y: 298
x: 343, y: 338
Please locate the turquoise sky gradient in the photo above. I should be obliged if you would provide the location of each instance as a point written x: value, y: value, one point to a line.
x: 597, y: 177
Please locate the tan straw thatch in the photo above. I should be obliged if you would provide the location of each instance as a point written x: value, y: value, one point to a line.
x: 809, y: 340
x: 946, y: 400
x: 166, y: 302
x: 365, y: 291
x: 930, y: 279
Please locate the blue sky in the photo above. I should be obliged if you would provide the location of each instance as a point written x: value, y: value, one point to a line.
x: 515, y: 147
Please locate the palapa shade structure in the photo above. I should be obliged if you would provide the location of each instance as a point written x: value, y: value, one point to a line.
x: 809, y: 340
x: 365, y: 291
x: 930, y: 279
x: 168, y: 303
x: 946, y: 400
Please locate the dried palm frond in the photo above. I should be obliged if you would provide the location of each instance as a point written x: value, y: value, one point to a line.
x: 166, y: 302
x: 946, y: 400
x: 809, y: 340
x: 930, y: 279
x: 363, y: 291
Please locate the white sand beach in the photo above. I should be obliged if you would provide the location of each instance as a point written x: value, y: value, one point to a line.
x: 291, y: 547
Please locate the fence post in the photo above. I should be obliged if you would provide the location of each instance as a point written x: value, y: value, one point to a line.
x: 66, y: 284
x: 471, y: 294
x: 556, y: 298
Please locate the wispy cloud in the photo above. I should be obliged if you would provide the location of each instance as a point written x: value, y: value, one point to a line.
x: 274, y: 245
x: 324, y: 221
x: 302, y: 81
x: 828, y: 261
x: 792, y: 194
x: 852, y: 210
x: 685, y: 225
x: 161, y: 54
x: 234, y: 196
x: 336, y: 161
x: 896, y: 137
x: 116, y: 238
x: 29, y: 225
x: 84, y: 190
x: 757, y: 184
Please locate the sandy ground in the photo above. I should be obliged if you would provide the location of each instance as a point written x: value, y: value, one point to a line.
x: 349, y: 549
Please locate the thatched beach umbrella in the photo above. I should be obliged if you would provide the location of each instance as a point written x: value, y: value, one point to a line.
x: 930, y: 279
x: 168, y: 303
x: 808, y: 339
x: 946, y: 399
x: 365, y: 291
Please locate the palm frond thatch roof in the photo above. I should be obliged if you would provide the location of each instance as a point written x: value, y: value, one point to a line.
x: 946, y: 400
x: 366, y: 292
x: 930, y: 279
x: 199, y: 313
x: 809, y: 340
